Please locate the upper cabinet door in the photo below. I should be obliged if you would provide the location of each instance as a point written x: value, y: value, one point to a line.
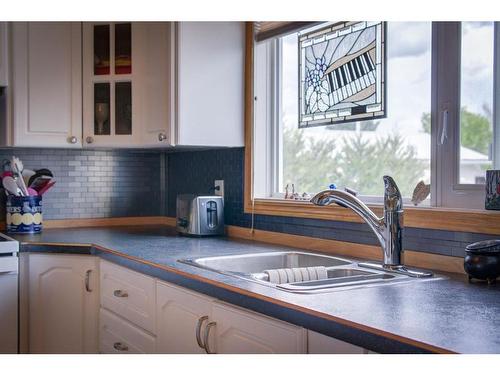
x: 210, y: 83
x: 46, y: 79
x: 157, y: 83
x: 127, y: 84
x: 3, y: 54
x: 111, y: 95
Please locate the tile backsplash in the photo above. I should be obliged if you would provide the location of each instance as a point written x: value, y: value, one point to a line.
x: 195, y: 172
x: 96, y: 183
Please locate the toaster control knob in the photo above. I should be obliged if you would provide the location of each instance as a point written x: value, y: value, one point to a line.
x: 182, y: 223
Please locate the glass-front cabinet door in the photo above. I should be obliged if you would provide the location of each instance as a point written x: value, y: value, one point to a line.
x: 111, y: 87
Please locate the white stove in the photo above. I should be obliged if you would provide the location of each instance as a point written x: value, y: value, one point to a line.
x: 9, y: 271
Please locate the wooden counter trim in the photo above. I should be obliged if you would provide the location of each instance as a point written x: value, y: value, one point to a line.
x: 475, y: 221
x: 349, y: 249
x: 347, y: 323
x: 105, y: 222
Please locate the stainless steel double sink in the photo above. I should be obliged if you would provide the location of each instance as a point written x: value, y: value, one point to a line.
x: 342, y: 273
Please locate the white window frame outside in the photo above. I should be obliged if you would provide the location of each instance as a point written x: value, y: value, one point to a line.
x: 446, y: 191
x: 445, y: 156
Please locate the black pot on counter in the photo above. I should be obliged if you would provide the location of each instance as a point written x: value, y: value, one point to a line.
x: 482, y: 260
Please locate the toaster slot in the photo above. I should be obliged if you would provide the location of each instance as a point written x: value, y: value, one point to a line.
x: 212, y: 217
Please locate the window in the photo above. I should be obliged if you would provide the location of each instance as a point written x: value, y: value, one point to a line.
x: 439, y: 127
x: 476, y: 101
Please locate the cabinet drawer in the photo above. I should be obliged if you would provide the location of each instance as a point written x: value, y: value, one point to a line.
x: 129, y: 294
x: 117, y: 336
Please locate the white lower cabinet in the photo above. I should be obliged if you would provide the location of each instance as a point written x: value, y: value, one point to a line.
x: 117, y: 336
x: 181, y: 316
x: 238, y: 331
x: 188, y: 322
x: 63, y: 303
x: 321, y: 344
x: 140, y: 314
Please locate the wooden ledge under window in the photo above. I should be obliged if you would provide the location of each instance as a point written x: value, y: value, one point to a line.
x: 458, y: 220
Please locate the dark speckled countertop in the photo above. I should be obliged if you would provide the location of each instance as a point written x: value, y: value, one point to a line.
x: 447, y: 315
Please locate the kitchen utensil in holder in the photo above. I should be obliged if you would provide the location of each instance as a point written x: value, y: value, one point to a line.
x: 24, y: 214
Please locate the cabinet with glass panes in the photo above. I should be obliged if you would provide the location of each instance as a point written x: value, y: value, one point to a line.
x: 118, y: 62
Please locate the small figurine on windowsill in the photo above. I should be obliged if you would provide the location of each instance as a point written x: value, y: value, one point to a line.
x: 420, y: 193
x: 295, y: 196
x: 289, y: 195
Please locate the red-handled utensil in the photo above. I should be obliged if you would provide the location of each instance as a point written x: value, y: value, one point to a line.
x: 46, y: 187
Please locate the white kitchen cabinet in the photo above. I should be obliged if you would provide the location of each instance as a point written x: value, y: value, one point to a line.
x: 4, y: 54
x: 321, y: 344
x: 63, y: 303
x: 181, y: 316
x: 157, y: 84
x: 46, y: 84
x: 139, y: 84
x: 185, y: 317
x: 238, y: 331
x: 185, y: 85
x: 127, y: 84
x: 129, y: 294
x: 210, y: 83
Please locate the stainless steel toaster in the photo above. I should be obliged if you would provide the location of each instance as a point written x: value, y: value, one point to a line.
x: 200, y: 215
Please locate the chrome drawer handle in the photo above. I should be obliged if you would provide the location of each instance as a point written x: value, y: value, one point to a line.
x: 120, y: 293
x: 120, y: 347
x: 206, y: 338
x: 87, y: 281
x: 198, y: 329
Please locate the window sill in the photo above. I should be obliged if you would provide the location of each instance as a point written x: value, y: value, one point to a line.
x: 459, y: 220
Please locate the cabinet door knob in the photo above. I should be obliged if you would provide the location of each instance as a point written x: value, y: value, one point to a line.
x: 89, y: 139
x: 120, y: 293
x: 72, y: 139
x: 162, y: 137
x: 120, y: 347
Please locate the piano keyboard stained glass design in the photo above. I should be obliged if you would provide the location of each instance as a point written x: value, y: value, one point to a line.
x: 342, y: 74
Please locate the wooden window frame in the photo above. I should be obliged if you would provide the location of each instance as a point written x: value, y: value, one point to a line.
x: 460, y: 220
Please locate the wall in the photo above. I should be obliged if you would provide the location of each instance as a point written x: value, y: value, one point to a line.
x: 195, y: 172
x: 95, y: 183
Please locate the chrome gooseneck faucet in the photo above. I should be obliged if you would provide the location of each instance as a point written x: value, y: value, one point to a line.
x: 388, y: 229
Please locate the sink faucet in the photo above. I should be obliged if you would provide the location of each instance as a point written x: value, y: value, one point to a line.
x: 388, y: 229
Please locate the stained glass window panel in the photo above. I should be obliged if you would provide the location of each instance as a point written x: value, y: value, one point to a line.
x: 342, y: 73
